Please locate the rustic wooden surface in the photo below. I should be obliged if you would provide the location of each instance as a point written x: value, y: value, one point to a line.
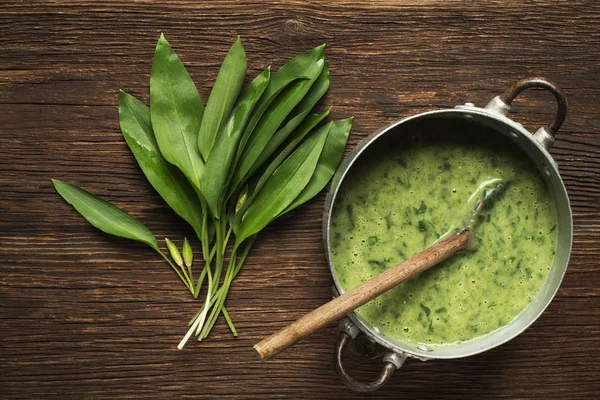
x: 84, y: 315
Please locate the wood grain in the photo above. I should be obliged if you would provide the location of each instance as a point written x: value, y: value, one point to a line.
x: 84, y: 315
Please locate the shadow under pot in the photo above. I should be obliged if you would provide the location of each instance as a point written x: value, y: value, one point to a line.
x: 407, y: 185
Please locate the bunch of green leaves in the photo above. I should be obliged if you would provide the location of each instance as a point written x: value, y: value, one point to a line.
x: 228, y: 168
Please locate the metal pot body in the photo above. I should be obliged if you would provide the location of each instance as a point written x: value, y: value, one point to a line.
x: 536, y: 145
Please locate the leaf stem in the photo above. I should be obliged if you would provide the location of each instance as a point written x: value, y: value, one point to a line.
x: 229, y: 322
x: 202, y: 308
x: 186, y: 280
x: 232, y: 270
x: 217, y: 299
x: 216, y: 310
x: 200, y: 280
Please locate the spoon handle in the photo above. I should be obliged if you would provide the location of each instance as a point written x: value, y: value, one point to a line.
x: 348, y: 301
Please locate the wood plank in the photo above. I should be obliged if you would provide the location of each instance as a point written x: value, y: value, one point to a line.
x: 85, y: 315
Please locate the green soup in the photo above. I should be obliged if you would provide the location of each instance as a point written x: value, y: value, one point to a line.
x: 400, y: 198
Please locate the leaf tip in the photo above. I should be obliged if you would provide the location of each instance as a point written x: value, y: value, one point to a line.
x: 346, y: 122
x: 162, y: 40
x: 320, y: 49
x: 238, y: 44
x: 56, y: 183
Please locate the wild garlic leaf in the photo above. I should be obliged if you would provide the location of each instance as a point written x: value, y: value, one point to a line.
x: 104, y: 215
x: 328, y: 162
x: 214, y: 180
x: 279, y: 136
x: 283, y: 187
x: 272, y: 119
x: 176, y: 111
x: 167, y: 180
x: 259, y: 178
x: 259, y: 109
x: 287, y: 88
x: 317, y: 90
x: 222, y: 97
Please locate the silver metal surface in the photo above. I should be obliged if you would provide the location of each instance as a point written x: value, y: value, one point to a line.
x: 536, y: 147
x: 544, y: 138
x: 497, y: 106
x: 348, y: 327
x: 395, y: 358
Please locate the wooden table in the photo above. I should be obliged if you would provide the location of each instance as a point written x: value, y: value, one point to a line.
x: 85, y: 315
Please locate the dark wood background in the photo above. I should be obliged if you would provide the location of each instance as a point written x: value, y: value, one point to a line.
x: 85, y: 315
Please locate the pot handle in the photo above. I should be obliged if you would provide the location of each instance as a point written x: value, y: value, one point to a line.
x: 544, y: 135
x: 392, y: 361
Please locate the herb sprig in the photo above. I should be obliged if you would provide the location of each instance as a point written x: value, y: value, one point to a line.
x: 228, y: 169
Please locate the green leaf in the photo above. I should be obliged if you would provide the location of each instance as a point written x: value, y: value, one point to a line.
x: 176, y: 111
x: 222, y: 97
x: 317, y: 90
x: 268, y: 97
x: 260, y: 178
x: 328, y: 162
x: 167, y: 180
x: 104, y: 215
x: 259, y: 131
x: 275, y: 142
x: 213, y: 182
x: 282, y: 187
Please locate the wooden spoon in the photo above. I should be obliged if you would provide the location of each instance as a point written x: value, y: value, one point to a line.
x: 380, y: 284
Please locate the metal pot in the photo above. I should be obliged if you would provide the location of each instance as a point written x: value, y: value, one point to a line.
x: 493, y: 117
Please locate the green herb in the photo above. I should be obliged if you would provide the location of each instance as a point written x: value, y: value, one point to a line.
x: 328, y: 161
x: 229, y: 171
x: 377, y: 264
x: 492, y: 192
x: 307, y: 68
x: 174, y: 251
x: 167, y: 180
x: 176, y: 112
x: 223, y: 154
x: 260, y: 177
x: 283, y: 187
x: 350, y: 214
x: 388, y: 222
x: 222, y: 97
x: 110, y: 219
x: 104, y: 215
x: 188, y: 254
x: 188, y: 257
x: 401, y: 253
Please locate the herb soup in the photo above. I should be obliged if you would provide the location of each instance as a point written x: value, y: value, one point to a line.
x: 399, y: 198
